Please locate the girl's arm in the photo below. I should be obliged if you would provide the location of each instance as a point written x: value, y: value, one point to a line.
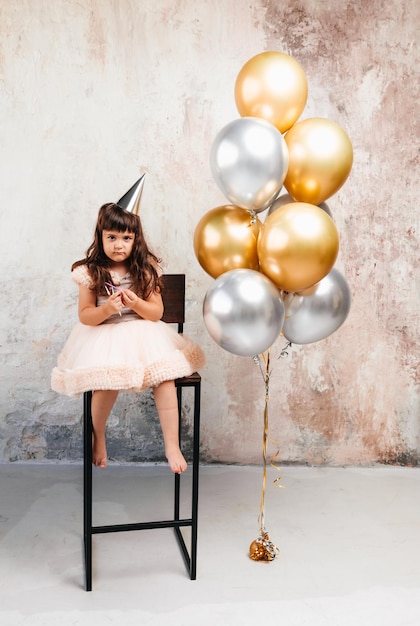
x: 150, y: 309
x: 93, y: 315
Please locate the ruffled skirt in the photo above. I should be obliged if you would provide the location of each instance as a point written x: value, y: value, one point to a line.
x: 132, y: 356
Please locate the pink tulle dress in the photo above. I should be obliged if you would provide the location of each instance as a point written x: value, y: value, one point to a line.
x: 125, y: 352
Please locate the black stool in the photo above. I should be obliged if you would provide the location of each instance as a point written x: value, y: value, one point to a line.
x: 174, y: 301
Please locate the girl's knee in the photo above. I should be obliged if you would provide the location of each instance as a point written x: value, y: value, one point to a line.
x: 104, y: 397
x: 166, y: 384
x: 164, y: 390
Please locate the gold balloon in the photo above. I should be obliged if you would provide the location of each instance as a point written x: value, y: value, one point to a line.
x: 297, y: 246
x: 320, y: 160
x: 273, y: 86
x: 225, y: 239
x: 309, y: 291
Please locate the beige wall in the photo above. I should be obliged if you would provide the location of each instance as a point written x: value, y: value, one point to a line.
x: 95, y: 92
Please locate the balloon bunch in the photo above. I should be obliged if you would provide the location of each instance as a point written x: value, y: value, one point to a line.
x: 274, y: 276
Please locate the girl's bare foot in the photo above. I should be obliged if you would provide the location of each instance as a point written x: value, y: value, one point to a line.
x: 99, y: 456
x: 176, y: 461
x: 102, y: 403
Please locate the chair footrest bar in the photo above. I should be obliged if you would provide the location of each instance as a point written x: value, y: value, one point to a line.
x: 118, y: 528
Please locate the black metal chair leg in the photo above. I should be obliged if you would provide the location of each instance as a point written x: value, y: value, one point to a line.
x: 191, y: 556
x: 177, y: 477
x: 87, y: 487
x: 196, y: 465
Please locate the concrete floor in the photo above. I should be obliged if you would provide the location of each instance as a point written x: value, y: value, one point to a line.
x: 349, y: 544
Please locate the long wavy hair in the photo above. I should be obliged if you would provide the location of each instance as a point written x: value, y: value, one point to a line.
x: 142, y: 263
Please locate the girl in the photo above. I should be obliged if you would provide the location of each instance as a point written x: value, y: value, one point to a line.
x: 120, y: 342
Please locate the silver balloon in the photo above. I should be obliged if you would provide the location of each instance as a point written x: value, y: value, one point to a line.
x: 286, y: 198
x: 249, y: 161
x: 316, y: 316
x: 243, y: 312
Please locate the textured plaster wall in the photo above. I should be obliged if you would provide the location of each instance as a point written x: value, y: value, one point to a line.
x: 93, y: 93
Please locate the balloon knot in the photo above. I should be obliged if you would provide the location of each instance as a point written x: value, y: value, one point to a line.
x: 253, y: 217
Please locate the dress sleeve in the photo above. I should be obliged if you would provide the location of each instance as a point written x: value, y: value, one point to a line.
x: 81, y: 276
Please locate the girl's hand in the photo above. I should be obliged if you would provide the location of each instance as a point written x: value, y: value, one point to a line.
x: 114, y: 303
x: 129, y: 298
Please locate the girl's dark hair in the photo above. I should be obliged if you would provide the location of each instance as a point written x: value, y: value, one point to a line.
x: 142, y: 263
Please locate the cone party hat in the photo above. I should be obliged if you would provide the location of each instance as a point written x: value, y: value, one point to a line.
x: 130, y: 201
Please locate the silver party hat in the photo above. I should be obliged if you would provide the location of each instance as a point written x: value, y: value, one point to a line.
x: 130, y: 201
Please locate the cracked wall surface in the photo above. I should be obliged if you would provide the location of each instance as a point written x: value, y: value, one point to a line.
x: 92, y: 94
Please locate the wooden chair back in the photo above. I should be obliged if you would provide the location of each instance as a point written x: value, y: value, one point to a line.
x: 173, y: 296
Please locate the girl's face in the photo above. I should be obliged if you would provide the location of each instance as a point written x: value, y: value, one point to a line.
x: 117, y: 245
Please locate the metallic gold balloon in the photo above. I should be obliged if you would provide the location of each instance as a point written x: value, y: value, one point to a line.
x: 226, y: 238
x: 273, y: 86
x: 320, y: 160
x: 297, y: 246
x: 309, y: 291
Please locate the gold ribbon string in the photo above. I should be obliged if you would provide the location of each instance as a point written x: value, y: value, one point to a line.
x: 261, y: 518
x: 283, y: 354
x: 262, y: 549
